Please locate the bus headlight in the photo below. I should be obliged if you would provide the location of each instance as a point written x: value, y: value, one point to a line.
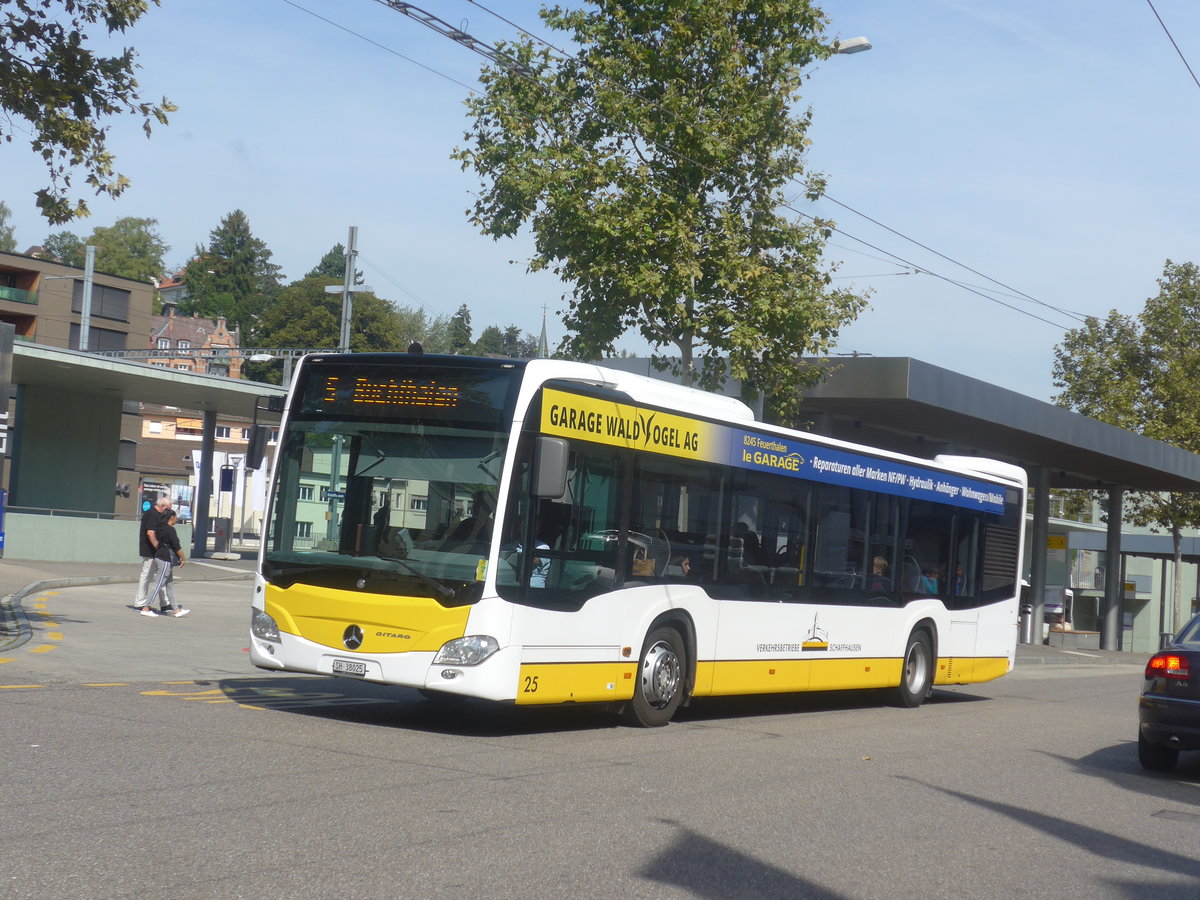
x: 466, y: 651
x: 264, y: 627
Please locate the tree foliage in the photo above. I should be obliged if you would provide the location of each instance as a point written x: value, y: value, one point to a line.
x: 460, y: 331
x: 66, y: 247
x: 233, y: 276
x: 509, y: 341
x: 66, y: 92
x: 1143, y: 374
x: 333, y: 265
x: 130, y: 247
x: 304, y: 315
x: 651, y: 168
x: 8, y: 238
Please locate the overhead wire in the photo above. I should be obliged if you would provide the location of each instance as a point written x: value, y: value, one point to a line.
x: 473, y: 44
x: 1171, y: 38
x: 402, y: 288
x: 802, y: 182
x: 383, y: 47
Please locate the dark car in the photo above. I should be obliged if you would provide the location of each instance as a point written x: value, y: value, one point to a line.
x: 1169, y: 708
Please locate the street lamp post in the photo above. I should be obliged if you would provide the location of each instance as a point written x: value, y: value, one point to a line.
x: 853, y: 45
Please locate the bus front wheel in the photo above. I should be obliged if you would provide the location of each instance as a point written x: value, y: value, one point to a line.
x: 916, y: 672
x: 660, y: 679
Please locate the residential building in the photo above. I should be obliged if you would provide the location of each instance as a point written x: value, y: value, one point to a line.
x: 195, y: 344
x: 44, y: 301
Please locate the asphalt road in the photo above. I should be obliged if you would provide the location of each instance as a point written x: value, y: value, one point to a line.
x: 145, y: 758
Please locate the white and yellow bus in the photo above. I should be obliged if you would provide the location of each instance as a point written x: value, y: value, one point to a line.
x: 547, y: 532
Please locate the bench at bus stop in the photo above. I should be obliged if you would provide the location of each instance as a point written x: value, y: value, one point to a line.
x: 1074, y: 640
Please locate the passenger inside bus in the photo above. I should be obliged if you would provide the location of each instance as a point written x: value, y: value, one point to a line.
x: 879, y: 578
x: 478, y: 525
x: 930, y: 580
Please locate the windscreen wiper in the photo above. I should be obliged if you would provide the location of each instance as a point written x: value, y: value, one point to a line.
x: 440, y: 591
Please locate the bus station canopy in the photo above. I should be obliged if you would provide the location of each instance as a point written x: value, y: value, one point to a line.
x: 907, y: 405
x: 73, y: 372
x: 912, y: 407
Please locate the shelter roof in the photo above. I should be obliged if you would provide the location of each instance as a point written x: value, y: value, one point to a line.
x: 907, y: 405
x: 87, y: 373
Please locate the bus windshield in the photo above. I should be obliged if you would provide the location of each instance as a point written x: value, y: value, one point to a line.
x: 380, y: 488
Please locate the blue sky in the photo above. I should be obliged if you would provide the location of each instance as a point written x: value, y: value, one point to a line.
x: 1049, y: 146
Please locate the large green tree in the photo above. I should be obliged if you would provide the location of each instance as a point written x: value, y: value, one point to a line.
x: 509, y: 341
x: 130, y: 247
x: 652, y: 167
x: 333, y: 265
x: 305, y: 316
x: 233, y: 276
x: 66, y: 247
x: 66, y: 92
x: 460, y: 331
x: 1143, y: 374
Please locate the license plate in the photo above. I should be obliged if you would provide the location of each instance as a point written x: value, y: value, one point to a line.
x: 349, y: 667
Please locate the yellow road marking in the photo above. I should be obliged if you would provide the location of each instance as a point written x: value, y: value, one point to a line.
x: 4, y: 659
x: 41, y: 648
x: 18, y: 687
x: 54, y: 635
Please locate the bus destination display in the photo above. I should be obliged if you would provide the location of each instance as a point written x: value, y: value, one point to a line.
x: 419, y: 393
x: 389, y: 392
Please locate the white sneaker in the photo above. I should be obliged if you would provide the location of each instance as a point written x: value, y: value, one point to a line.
x: 147, y: 611
x: 180, y: 612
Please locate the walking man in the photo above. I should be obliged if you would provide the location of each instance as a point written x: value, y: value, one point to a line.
x: 147, y: 547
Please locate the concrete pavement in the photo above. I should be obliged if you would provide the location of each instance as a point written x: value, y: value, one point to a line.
x: 19, y: 578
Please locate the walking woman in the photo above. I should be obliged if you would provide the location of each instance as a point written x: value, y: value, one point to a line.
x: 168, y: 555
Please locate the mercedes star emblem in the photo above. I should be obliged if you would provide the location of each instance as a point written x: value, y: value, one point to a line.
x: 352, y: 637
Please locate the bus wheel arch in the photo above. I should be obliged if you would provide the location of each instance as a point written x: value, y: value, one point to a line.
x: 918, y: 665
x: 665, y: 672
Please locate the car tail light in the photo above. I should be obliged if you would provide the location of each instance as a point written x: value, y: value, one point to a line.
x: 1167, y: 665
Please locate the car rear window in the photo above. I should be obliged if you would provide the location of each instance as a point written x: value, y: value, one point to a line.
x: 1190, y: 633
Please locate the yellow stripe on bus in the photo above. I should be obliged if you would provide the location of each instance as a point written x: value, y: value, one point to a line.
x: 575, y: 682
x: 970, y: 670
x: 389, y: 624
x: 780, y: 676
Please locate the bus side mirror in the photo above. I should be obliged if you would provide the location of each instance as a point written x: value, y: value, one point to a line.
x: 256, y: 449
x: 550, y: 467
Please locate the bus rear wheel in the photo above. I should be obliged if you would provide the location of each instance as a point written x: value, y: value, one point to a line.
x: 660, y: 680
x: 916, y: 672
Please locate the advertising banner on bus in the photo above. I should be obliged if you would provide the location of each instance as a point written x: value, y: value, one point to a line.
x: 636, y: 428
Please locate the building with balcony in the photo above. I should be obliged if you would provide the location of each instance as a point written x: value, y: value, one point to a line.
x: 44, y: 301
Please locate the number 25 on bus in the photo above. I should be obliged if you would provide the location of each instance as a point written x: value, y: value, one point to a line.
x: 547, y: 532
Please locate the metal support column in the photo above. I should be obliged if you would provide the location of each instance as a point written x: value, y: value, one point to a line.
x: 1114, y: 587
x: 85, y: 305
x: 348, y: 290
x: 1037, y: 550
x: 204, y: 478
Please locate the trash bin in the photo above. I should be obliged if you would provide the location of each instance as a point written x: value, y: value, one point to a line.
x: 221, y: 528
x: 1027, y: 624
